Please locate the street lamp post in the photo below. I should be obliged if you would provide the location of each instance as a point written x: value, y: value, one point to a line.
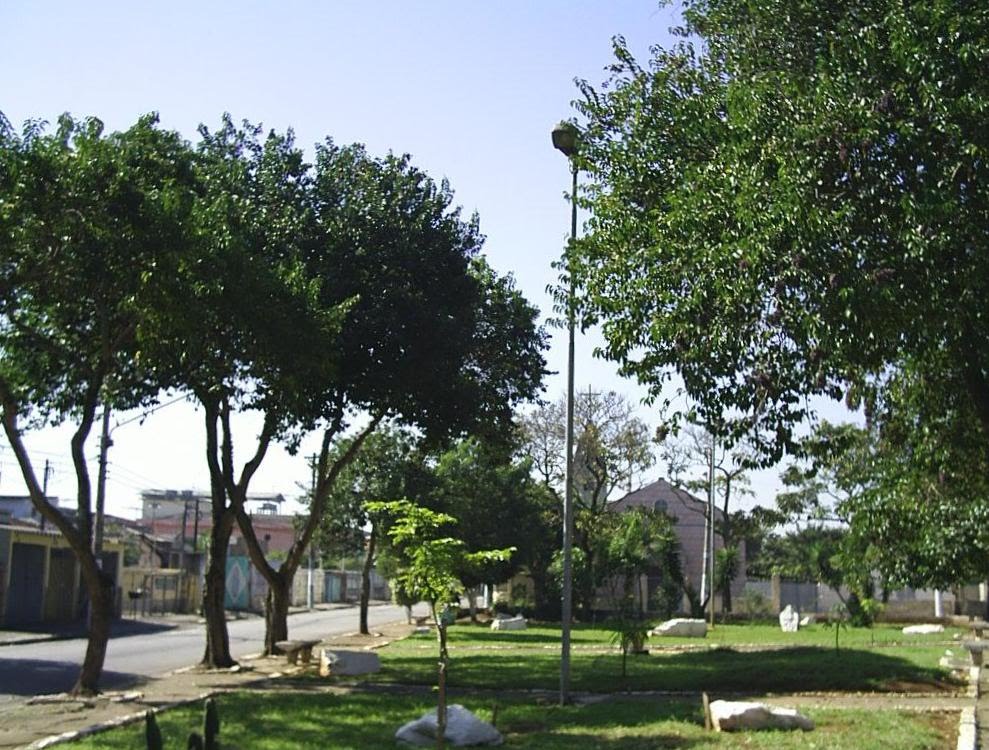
x: 565, y: 139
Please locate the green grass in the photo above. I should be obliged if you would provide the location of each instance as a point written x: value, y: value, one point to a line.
x: 289, y: 721
x: 878, y: 660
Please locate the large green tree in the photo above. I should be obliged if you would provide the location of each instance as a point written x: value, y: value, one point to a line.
x: 93, y: 230
x: 431, y: 336
x: 790, y: 201
x: 249, y: 333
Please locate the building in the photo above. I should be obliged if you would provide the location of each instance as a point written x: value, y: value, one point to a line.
x: 40, y: 579
x: 185, y: 518
x: 688, y: 513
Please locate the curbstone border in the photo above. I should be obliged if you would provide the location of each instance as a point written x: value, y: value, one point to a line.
x: 968, y: 730
x: 120, y: 721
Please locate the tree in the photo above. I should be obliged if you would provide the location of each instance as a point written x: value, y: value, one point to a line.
x: 430, y: 337
x: 249, y: 332
x: 612, y: 448
x: 917, y: 516
x: 430, y: 571
x: 688, y: 461
x: 498, y: 504
x: 93, y: 229
x: 829, y: 555
x: 776, y: 215
x: 386, y: 467
x: 631, y: 544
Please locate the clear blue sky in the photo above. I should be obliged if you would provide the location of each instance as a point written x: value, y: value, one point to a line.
x: 470, y: 89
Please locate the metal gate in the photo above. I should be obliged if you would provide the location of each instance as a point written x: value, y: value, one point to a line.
x: 26, y: 596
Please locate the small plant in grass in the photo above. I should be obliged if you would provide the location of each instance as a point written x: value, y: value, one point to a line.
x: 205, y: 741
x: 429, y: 569
x: 630, y: 634
x: 837, y: 619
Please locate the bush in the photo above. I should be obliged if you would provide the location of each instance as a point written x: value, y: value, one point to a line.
x: 754, y: 604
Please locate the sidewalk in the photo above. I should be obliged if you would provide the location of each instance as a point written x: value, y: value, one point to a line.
x: 35, y: 722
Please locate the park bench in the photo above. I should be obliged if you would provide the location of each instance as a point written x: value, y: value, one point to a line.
x: 293, y: 650
x: 975, y: 650
x: 421, y: 621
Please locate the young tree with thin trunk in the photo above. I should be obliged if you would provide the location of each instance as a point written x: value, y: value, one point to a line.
x: 430, y: 564
x: 93, y: 228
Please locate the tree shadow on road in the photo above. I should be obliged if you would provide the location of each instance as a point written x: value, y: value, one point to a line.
x: 42, y: 677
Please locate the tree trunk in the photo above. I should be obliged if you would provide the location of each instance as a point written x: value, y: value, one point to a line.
x: 726, y: 598
x: 441, y: 683
x: 472, y: 604
x: 366, y: 580
x: 276, y: 612
x: 217, y: 654
x: 100, y: 590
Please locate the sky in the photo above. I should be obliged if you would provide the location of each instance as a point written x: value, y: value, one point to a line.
x: 471, y: 90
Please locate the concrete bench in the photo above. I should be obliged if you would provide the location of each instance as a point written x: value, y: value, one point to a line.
x: 295, y: 650
x: 421, y: 621
x: 978, y: 627
x: 975, y: 650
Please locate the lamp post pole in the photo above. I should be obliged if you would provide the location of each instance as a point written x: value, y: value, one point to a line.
x: 565, y: 140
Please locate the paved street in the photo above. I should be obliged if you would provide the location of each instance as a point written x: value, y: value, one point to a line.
x: 157, y: 647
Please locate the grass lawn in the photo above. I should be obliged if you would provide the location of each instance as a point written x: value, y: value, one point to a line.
x: 289, y: 721
x: 878, y: 660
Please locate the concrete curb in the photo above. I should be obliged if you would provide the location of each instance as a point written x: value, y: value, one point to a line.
x: 120, y: 721
x: 968, y: 730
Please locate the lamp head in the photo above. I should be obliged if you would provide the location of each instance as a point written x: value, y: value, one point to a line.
x: 566, y: 138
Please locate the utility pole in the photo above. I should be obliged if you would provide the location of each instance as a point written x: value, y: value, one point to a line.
x: 105, y: 444
x: 710, y: 515
x: 311, y: 594
x: 44, y: 488
x: 185, y: 520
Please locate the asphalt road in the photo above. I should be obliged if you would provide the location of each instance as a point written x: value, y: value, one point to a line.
x: 150, y: 648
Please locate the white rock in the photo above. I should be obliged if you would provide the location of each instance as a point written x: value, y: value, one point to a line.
x: 462, y: 729
x: 922, y: 629
x: 807, y: 620
x: 348, y: 662
x: 508, y: 623
x: 789, y: 620
x: 681, y: 627
x: 733, y: 716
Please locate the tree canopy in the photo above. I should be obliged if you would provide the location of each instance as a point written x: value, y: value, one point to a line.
x: 789, y: 202
x: 94, y: 228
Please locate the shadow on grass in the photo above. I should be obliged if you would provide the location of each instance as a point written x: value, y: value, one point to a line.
x: 279, y: 721
x: 720, y: 670
x: 536, y: 634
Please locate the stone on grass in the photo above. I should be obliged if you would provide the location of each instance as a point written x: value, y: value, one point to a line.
x: 923, y: 629
x: 681, y: 627
x: 463, y: 729
x: 508, y: 623
x: 807, y: 620
x: 954, y: 663
x: 789, y: 620
x: 341, y: 663
x: 735, y: 716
